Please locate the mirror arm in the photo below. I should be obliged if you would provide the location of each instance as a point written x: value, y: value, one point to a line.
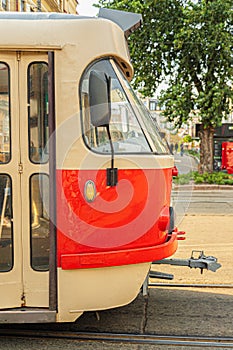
x: 112, y: 173
x: 111, y: 145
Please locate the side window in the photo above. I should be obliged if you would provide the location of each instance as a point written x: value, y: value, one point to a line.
x: 4, y: 114
x: 126, y: 132
x: 38, y: 112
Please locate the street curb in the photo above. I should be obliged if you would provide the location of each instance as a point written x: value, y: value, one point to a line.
x: 205, y: 187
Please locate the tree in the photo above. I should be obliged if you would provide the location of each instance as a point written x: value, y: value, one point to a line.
x: 190, y: 43
x: 187, y: 139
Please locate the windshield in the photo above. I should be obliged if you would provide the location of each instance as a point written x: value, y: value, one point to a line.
x: 128, y: 135
x: 149, y: 123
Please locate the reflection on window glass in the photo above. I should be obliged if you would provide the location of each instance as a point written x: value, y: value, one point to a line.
x: 39, y: 203
x: 4, y: 114
x: 127, y: 135
x: 6, y: 245
x: 38, y: 112
x: 150, y: 124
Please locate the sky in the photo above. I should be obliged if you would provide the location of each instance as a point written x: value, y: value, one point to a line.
x: 85, y: 7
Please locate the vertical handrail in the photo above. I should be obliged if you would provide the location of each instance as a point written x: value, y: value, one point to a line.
x: 6, y: 193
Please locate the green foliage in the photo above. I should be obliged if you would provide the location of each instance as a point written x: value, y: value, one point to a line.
x: 190, y: 43
x: 187, y: 139
x: 184, y: 179
x: 203, y: 63
x: 193, y: 153
x: 217, y: 178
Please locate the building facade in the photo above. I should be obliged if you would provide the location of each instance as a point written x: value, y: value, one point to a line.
x: 66, y: 6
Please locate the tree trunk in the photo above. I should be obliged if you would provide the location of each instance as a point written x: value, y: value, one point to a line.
x: 206, y: 150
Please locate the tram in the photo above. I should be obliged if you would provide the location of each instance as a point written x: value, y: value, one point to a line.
x: 85, y: 176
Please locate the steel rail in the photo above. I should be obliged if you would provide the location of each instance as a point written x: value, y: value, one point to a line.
x: 191, y: 285
x: 191, y: 341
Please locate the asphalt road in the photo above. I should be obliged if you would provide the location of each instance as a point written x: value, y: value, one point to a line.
x: 209, y: 200
x: 187, y: 200
x: 185, y: 164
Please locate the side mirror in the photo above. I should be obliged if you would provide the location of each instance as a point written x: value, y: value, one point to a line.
x: 100, y: 112
x: 99, y: 93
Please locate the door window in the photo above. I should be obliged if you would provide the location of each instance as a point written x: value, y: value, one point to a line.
x: 6, y: 245
x: 39, y: 203
x: 38, y: 153
x: 38, y: 112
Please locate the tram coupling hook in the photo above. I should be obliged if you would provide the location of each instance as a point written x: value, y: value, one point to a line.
x: 197, y: 260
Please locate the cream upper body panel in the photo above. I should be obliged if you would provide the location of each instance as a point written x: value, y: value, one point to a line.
x: 77, y: 42
x: 92, y: 37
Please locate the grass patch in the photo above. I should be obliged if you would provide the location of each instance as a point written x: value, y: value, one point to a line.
x: 217, y: 178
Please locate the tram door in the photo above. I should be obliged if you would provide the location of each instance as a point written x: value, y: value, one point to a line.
x: 24, y: 181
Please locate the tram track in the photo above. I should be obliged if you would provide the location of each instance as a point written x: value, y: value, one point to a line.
x: 191, y: 285
x: 125, y: 338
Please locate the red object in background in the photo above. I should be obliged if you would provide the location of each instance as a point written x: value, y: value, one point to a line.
x: 175, y: 172
x: 227, y: 156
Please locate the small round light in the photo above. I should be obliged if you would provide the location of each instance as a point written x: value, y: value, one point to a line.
x: 89, y: 191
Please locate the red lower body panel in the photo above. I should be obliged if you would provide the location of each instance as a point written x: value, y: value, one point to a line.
x: 120, y: 225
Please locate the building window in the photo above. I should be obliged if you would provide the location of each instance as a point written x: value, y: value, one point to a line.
x: 153, y: 105
x: 4, y: 4
x: 21, y: 6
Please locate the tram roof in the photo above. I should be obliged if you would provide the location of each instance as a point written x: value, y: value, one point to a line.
x: 37, y: 15
x: 127, y: 21
x: 45, y: 31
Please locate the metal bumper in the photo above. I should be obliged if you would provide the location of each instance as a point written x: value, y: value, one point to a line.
x: 120, y: 257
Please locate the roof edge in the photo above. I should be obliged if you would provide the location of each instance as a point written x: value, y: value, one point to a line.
x: 127, y: 21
